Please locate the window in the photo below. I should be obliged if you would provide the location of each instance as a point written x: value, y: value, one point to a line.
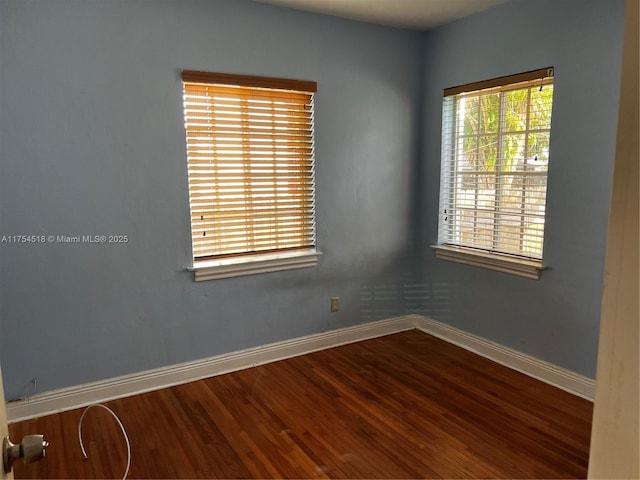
x: 495, y: 155
x: 250, y: 156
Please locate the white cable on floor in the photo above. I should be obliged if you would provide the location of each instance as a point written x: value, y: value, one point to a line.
x: 124, y: 432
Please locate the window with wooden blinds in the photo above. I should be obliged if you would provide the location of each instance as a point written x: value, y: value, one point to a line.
x: 250, y: 152
x: 495, y: 156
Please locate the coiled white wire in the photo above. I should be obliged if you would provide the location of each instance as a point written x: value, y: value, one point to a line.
x: 124, y: 432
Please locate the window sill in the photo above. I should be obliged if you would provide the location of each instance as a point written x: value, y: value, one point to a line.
x: 253, y: 264
x: 497, y: 262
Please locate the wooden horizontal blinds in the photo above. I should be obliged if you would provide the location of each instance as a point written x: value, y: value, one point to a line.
x: 495, y: 158
x: 250, y: 153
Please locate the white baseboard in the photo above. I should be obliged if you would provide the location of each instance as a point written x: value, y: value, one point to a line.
x: 531, y: 366
x: 81, y: 395
x: 102, y: 391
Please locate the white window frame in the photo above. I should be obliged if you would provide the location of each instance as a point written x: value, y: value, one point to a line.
x: 451, y: 246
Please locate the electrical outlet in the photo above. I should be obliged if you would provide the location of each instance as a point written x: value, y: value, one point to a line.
x: 335, y: 304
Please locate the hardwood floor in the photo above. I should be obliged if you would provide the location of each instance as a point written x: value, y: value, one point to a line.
x: 403, y: 406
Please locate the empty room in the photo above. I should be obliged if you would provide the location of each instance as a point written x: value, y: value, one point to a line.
x: 319, y: 238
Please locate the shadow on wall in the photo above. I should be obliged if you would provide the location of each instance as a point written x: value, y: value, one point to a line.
x: 379, y: 300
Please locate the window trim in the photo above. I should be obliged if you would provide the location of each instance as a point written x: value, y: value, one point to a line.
x: 498, y: 262
x: 254, y: 264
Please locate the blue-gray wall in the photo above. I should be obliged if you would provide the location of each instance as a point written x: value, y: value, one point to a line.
x: 92, y: 142
x: 556, y: 318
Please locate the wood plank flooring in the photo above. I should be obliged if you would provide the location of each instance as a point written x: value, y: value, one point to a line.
x: 402, y: 406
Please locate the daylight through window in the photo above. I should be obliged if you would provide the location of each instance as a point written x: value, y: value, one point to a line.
x: 495, y: 156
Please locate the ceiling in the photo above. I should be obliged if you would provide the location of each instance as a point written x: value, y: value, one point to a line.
x: 413, y: 14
